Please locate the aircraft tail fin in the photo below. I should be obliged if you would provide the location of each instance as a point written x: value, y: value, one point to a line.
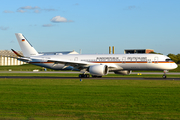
x: 27, y: 49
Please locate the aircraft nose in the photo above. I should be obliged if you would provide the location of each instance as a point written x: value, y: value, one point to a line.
x: 174, y: 66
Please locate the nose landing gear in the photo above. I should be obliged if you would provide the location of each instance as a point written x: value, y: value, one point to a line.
x: 164, y: 75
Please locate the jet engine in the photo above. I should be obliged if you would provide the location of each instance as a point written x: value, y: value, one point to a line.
x: 123, y: 72
x: 98, y: 70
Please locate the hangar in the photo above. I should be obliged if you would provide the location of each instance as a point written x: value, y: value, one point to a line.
x: 7, y: 57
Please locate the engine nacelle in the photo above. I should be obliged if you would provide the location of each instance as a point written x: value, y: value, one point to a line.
x: 123, y: 72
x: 98, y: 70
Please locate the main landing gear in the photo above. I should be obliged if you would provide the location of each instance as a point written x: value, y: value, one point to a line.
x: 94, y: 76
x: 84, y: 75
x: 164, y: 75
x: 88, y: 76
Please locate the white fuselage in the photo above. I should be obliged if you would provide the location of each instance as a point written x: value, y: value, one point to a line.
x: 113, y: 61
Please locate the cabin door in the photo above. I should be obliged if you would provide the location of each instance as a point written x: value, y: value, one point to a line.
x: 155, y: 60
x: 76, y: 59
x: 124, y: 60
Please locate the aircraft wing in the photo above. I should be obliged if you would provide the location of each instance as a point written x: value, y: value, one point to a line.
x: 79, y: 64
x: 76, y: 64
x: 70, y: 63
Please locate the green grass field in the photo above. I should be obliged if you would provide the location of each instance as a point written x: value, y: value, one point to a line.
x: 36, y: 99
x: 39, y: 99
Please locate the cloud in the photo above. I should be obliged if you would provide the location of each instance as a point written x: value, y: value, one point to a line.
x: 59, y: 19
x: 33, y: 25
x: 47, y: 25
x: 7, y: 11
x: 76, y: 4
x: 30, y: 7
x: 132, y: 7
x: 4, y: 28
x: 21, y: 11
x: 36, y: 9
x: 49, y: 10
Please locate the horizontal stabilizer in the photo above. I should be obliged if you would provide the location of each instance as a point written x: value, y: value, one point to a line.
x: 17, y: 53
x: 24, y: 59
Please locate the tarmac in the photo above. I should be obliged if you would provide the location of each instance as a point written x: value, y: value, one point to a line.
x: 104, y: 78
x: 74, y: 72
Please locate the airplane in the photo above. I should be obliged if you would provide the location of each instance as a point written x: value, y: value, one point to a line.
x: 96, y: 65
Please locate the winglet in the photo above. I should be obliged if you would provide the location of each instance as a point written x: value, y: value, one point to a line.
x: 17, y: 53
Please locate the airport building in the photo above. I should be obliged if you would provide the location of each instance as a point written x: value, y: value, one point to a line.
x: 132, y: 51
x: 7, y: 57
x: 138, y: 51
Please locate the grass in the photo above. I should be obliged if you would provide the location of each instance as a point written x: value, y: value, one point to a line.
x: 89, y: 99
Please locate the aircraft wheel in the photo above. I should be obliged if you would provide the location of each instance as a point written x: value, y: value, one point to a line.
x: 80, y: 75
x: 84, y: 75
x: 87, y: 76
x: 93, y: 76
x: 164, y: 76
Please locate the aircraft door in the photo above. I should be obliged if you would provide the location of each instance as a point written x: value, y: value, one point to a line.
x: 76, y: 59
x: 155, y: 60
x: 124, y: 60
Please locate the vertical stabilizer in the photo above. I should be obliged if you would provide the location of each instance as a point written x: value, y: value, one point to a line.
x: 27, y: 49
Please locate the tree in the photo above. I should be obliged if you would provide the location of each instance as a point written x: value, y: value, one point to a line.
x: 155, y: 53
x: 174, y: 57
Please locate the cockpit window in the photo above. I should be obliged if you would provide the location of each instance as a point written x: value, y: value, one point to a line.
x: 168, y: 60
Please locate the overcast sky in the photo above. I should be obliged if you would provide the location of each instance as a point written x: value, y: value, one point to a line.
x: 92, y: 25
